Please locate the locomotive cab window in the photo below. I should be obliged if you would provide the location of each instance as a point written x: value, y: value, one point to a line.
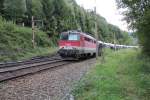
x: 70, y: 36
x: 74, y: 36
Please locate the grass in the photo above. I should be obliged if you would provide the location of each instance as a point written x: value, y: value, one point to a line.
x: 28, y: 54
x: 125, y: 75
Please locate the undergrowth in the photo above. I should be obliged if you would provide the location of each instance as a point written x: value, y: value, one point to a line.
x: 16, y: 42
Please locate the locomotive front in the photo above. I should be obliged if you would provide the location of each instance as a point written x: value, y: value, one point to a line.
x: 69, y: 44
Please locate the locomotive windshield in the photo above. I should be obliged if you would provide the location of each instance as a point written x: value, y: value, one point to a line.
x: 70, y: 36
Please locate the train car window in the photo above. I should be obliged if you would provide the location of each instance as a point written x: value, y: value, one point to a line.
x: 87, y: 39
x: 73, y: 36
x: 64, y: 36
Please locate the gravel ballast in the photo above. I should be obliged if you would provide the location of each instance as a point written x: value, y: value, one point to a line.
x: 52, y: 84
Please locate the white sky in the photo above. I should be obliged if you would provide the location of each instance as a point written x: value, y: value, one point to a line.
x: 107, y: 9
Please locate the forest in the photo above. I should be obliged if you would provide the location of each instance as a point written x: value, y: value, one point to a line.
x: 55, y: 16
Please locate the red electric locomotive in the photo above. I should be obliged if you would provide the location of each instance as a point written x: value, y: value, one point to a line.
x: 76, y: 44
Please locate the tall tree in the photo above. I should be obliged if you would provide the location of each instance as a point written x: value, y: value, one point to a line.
x: 37, y: 11
x: 138, y: 17
x: 1, y: 7
x: 29, y: 8
x: 14, y: 9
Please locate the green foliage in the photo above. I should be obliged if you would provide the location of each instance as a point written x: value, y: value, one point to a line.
x: 123, y: 76
x: 37, y: 9
x: 14, y: 9
x: 138, y: 17
x: 1, y: 6
x: 18, y: 40
x: 126, y: 39
x: 58, y: 16
x: 144, y: 32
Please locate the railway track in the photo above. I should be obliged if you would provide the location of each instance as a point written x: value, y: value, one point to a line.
x: 17, y: 69
x: 29, y: 61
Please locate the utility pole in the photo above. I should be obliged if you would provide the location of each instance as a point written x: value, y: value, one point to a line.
x: 115, y: 41
x: 33, y: 32
x: 96, y: 35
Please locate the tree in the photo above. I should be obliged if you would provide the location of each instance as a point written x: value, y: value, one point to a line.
x: 138, y: 17
x: 14, y: 9
x: 28, y: 14
x: 1, y: 7
x: 37, y: 11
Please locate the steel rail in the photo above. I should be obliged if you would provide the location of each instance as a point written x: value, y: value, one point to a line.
x: 9, y: 69
x: 12, y: 74
x: 30, y: 61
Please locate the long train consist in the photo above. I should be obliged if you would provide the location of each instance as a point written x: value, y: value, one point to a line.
x: 116, y: 46
x: 77, y: 44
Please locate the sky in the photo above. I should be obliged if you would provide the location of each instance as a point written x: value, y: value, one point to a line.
x: 107, y: 9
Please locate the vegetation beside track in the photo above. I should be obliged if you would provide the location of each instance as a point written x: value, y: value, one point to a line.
x: 16, y: 42
x: 125, y: 75
x: 39, y: 51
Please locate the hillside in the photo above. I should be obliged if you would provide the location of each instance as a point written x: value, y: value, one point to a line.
x: 16, y: 41
x: 61, y: 15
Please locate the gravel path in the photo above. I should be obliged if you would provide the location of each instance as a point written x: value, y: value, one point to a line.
x: 52, y: 84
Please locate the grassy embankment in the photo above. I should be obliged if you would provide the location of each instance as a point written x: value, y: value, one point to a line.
x: 16, y: 42
x: 125, y: 75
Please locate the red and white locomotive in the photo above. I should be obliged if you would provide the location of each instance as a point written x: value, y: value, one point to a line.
x: 76, y: 44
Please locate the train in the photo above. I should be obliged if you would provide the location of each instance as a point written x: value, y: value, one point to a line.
x: 116, y: 46
x: 77, y: 44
